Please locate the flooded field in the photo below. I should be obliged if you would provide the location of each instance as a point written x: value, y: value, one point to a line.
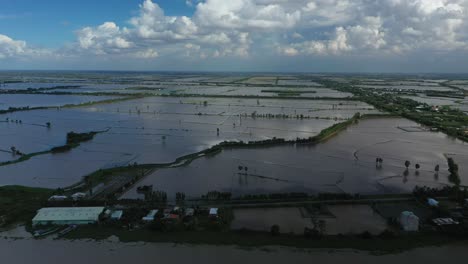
x: 289, y: 220
x: 38, y: 100
x: 419, y: 87
x: 354, y: 219
x: 153, y: 130
x: 256, y: 91
x: 346, y: 163
x: 341, y: 219
x: 161, y: 129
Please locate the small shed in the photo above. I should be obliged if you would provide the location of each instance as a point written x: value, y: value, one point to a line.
x: 150, y: 216
x: 213, y: 212
x: 409, y: 221
x: 116, y: 215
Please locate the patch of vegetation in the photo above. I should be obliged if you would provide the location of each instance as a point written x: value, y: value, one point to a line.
x: 76, y: 138
x: 19, y: 204
x: 452, y: 122
x: 453, y: 169
x: 73, y: 141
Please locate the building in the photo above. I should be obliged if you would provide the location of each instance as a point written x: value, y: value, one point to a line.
x: 78, y: 196
x: 58, y: 198
x: 444, y: 221
x: 409, y: 221
x: 67, y: 215
x: 150, y: 216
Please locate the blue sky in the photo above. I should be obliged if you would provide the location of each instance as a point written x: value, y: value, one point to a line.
x: 31, y: 20
x: 240, y: 35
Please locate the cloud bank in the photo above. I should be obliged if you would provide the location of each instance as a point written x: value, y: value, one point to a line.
x: 265, y: 29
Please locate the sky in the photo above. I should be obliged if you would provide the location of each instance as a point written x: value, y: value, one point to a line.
x: 403, y: 36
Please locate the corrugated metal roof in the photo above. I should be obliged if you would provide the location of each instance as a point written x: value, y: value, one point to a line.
x: 68, y: 214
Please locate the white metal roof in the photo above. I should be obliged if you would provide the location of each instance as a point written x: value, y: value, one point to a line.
x: 213, y: 211
x: 68, y: 214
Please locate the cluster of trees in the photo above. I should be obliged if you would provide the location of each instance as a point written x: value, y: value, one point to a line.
x: 76, y: 138
x: 299, y: 195
x: 73, y: 140
x: 276, y: 196
x: 14, y: 109
x: 216, y: 196
x: 285, y: 116
x: 156, y: 196
x: 337, y: 127
x: 17, y: 121
x: 15, y: 151
x: 180, y: 196
x: 450, y: 121
x: 416, y: 166
x: 453, y: 169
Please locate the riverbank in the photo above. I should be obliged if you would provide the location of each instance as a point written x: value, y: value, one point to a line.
x: 253, y: 239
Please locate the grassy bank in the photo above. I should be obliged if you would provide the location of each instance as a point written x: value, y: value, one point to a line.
x: 121, y: 97
x: 261, y: 239
x: 19, y: 204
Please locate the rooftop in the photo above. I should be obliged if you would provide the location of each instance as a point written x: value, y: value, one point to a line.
x: 68, y: 214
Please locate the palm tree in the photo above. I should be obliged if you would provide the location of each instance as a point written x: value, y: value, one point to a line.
x: 437, y: 167
x: 417, y: 166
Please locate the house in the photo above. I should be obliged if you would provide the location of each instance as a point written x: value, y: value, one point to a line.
x: 116, y: 215
x: 67, y: 215
x: 150, y: 216
x: 409, y: 221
